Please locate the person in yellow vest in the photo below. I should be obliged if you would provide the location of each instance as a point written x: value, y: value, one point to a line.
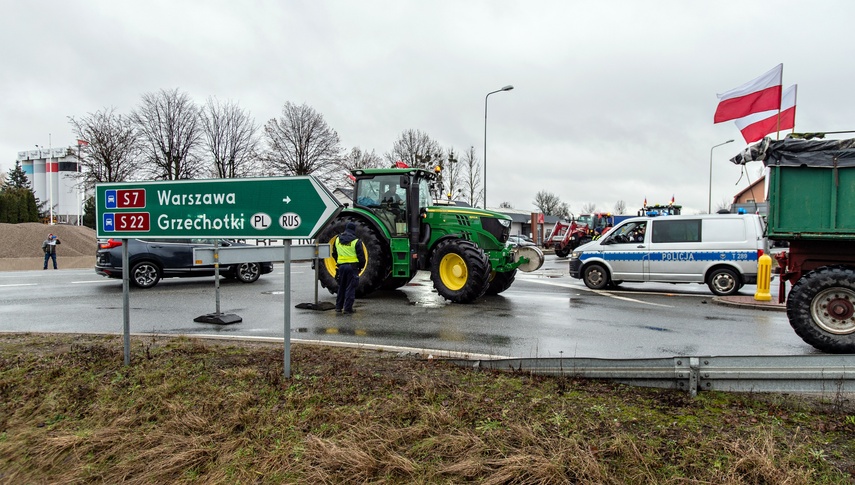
x: 349, y: 257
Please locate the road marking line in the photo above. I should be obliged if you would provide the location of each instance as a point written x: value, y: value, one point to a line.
x: 599, y: 292
x: 93, y: 281
x: 19, y: 284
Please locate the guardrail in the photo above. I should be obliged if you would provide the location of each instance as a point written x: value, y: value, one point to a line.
x: 249, y: 254
x: 828, y: 375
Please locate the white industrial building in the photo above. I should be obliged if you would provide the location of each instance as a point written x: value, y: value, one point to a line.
x: 53, y: 174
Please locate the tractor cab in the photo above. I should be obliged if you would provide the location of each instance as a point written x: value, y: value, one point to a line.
x: 393, y: 198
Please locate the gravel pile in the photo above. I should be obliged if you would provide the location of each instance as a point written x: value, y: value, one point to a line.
x: 25, y: 240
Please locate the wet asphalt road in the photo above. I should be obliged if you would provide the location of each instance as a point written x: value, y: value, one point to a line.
x: 544, y: 314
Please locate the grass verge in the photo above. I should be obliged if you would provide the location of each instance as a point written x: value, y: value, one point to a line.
x: 194, y: 411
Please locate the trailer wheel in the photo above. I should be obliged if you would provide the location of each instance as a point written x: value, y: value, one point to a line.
x: 596, y: 276
x: 500, y: 282
x: 821, y: 309
x: 377, y: 260
x: 563, y: 252
x: 459, y: 270
x: 723, y: 282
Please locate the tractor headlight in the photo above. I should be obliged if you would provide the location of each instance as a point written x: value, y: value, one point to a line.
x: 505, y: 222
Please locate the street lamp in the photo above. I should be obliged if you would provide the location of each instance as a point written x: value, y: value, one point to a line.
x: 506, y: 88
x: 709, y: 200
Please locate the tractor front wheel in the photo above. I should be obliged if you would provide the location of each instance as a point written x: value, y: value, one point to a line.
x: 501, y: 282
x: 459, y: 270
x: 377, y: 260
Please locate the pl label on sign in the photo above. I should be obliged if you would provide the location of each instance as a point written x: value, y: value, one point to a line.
x: 269, y: 208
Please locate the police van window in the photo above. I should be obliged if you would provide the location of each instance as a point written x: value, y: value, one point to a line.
x: 676, y: 231
x: 724, y: 230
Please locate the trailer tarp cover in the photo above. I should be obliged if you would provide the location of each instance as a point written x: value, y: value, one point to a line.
x: 795, y: 152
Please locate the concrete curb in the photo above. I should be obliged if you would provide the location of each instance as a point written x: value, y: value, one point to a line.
x: 742, y: 302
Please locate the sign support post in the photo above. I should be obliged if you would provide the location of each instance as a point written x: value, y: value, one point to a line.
x: 287, y: 295
x: 126, y: 303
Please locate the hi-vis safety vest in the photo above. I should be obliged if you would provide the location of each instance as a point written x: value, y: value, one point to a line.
x: 346, y: 253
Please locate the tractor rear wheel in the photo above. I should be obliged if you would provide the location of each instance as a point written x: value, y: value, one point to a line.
x: 377, y: 260
x: 563, y: 252
x: 501, y: 282
x: 821, y: 309
x: 459, y: 270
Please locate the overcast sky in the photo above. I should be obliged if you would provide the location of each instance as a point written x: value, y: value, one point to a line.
x: 612, y: 100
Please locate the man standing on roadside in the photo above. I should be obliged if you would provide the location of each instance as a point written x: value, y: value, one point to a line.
x: 349, y: 257
x: 49, y: 247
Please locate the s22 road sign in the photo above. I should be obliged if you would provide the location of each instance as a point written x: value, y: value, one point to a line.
x: 262, y: 208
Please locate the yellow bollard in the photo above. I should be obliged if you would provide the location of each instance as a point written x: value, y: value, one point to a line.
x: 764, y: 278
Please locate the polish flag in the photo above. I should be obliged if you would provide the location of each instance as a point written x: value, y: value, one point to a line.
x: 754, y: 127
x: 82, y: 143
x: 761, y: 94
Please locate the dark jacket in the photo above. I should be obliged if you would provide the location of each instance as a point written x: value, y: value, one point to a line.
x: 47, y: 247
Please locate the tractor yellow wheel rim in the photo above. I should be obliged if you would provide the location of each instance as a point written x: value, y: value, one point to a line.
x: 453, y: 272
x: 330, y: 262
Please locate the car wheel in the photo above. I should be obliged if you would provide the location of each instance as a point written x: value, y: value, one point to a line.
x: 145, y: 274
x: 723, y: 282
x: 596, y: 276
x: 247, y: 272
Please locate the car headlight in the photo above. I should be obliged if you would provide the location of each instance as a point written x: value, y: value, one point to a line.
x: 505, y: 222
x: 575, y: 254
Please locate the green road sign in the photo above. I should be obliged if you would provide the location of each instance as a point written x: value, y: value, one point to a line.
x: 263, y: 208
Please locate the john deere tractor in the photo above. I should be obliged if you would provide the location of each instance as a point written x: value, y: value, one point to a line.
x: 403, y: 231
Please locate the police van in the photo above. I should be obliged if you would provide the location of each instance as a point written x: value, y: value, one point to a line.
x: 720, y: 250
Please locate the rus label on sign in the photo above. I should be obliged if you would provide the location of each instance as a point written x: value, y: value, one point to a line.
x: 289, y: 221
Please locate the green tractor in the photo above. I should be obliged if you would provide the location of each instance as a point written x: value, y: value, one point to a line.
x: 403, y: 231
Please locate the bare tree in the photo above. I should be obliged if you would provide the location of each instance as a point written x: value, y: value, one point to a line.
x: 108, y: 147
x: 471, y: 189
x: 589, y: 208
x: 723, y: 205
x: 620, y: 207
x: 231, y: 136
x: 451, y: 176
x: 550, y: 204
x: 356, y: 159
x: 416, y: 149
x: 300, y: 142
x: 168, y: 123
x: 506, y: 205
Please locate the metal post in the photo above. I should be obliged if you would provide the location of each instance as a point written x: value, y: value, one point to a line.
x: 709, y: 200
x: 126, y: 303
x: 506, y: 88
x: 217, y: 274
x: 287, y: 298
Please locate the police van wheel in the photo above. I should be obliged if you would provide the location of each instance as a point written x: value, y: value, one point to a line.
x: 596, y: 276
x: 459, y: 270
x: 723, y: 282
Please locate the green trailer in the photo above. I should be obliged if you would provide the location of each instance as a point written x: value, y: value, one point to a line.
x: 811, y: 198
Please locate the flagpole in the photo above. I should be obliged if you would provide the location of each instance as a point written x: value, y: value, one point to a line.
x: 795, y: 103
